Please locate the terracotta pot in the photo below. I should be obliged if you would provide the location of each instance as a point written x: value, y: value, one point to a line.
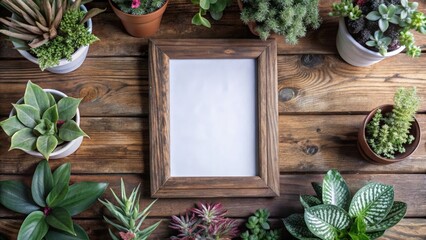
x: 368, y: 153
x: 140, y: 25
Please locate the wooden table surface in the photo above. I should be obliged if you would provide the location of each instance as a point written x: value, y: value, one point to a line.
x: 322, y: 101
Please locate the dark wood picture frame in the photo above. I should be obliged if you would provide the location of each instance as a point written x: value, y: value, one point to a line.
x: 266, y: 184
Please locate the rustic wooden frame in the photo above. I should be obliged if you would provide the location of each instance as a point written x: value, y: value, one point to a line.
x: 266, y: 184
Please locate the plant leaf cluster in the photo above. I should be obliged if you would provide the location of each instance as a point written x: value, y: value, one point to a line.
x: 388, y: 133
x: 214, y: 7
x: 290, y: 18
x: 145, y: 7
x: 50, y: 203
x: 332, y: 215
x: 41, y: 123
x: 128, y: 216
x: 258, y: 227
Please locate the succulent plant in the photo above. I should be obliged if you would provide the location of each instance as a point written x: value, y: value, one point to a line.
x: 214, y: 7
x: 129, y: 218
x: 258, y: 227
x: 41, y: 123
x: 331, y: 214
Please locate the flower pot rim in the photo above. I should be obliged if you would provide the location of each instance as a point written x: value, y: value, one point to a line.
x: 144, y: 15
x: 64, y: 147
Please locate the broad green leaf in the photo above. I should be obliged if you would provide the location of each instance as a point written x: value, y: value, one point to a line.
x: 51, y: 114
x: 46, y: 145
x: 62, y: 174
x: 52, y: 100
x: 219, y: 6
x: 205, y: 4
x: 60, y: 218
x: 67, y: 108
x: 60, y: 235
x: 216, y: 15
x: 200, y: 20
x: 81, y: 196
x: 45, y: 127
x: 36, y: 97
x: 34, y: 227
x: 42, y: 183
x: 373, y: 16
x: 27, y: 115
x: 318, y: 189
x: 16, y: 196
x: 11, y: 125
x: 383, y: 25
x: 24, y: 139
x: 70, y: 131
x: 395, y: 215
x: 326, y: 220
x: 308, y: 201
x: 375, y: 235
x: 296, y: 226
x: 335, y: 191
x: 372, y: 202
x: 57, y: 195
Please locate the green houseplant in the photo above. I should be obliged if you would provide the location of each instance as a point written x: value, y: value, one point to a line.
x: 331, y: 214
x: 390, y: 133
x: 50, y: 203
x: 214, y: 7
x: 44, y: 121
x: 290, y: 18
x: 258, y: 227
x: 53, y: 34
x: 129, y: 218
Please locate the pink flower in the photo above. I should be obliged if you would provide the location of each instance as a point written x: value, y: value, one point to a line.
x: 127, y: 235
x: 136, y: 3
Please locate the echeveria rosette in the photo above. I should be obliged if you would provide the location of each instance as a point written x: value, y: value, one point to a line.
x: 331, y: 214
x: 50, y: 203
x: 41, y: 123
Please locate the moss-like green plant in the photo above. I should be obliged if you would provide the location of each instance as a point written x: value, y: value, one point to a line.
x: 290, y: 18
x: 387, y: 134
x: 258, y: 227
x: 137, y: 7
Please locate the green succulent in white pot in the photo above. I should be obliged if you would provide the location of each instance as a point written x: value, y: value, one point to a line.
x: 45, y: 123
x: 333, y: 214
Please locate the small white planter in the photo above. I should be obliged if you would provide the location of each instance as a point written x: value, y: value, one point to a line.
x: 64, y: 65
x: 65, y: 149
x: 354, y: 53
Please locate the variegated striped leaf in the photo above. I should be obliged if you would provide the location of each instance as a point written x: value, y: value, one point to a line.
x: 318, y: 189
x: 335, y: 191
x: 375, y: 235
x: 296, y: 226
x: 308, y: 201
x: 372, y: 202
x: 395, y: 215
x: 326, y: 220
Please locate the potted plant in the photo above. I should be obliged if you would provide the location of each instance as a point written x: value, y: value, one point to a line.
x: 214, y: 7
x: 50, y: 203
x: 205, y: 221
x: 128, y: 217
x: 44, y: 123
x: 53, y: 34
x: 331, y: 214
x: 370, y: 30
x: 391, y: 133
x: 140, y: 18
x: 288, y: 18
x: 258, y: 227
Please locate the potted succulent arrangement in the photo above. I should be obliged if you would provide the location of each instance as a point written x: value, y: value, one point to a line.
x: 391, y: 133
x: 53, y: 34
x: 370, y: 30
x: 331, y: 214
x: 128, y: 217
x: 50, y: 203
x: 258, y: 227
x: 288, y: 18
x: 214, y: 7
x: 205, y: 221
x: 44, y: 123
x: 140, y: 18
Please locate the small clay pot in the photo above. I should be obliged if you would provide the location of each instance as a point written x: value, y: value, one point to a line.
x: 140, y: 26
x: 368, y: 153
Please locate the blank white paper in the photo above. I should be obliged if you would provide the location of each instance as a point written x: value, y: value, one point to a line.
x: 213, y: 117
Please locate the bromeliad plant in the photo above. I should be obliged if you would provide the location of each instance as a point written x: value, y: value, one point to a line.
x: 331, y: 214
x: 214, y: 7
x: 382, y: 25
x: 50, y: 203
x: 128, y: 215
x: 206, y: 221
x: 41, y: 123
x: 138, y: 7
x: 258, y: 227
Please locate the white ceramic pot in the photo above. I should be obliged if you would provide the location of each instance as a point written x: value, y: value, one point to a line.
x: 64, y: 65
x: 354, y: 53
x: 65, y: 149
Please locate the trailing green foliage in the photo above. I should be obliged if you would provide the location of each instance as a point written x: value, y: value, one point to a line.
x: 258, y: 227
x: 41, y: 123
x: 333, y: 216
x: 214, y: 7
x: 50, y: 203
x: 129, y: 218
x: 387, y: 134
x: 137, y: 7
x: 290, y: 18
